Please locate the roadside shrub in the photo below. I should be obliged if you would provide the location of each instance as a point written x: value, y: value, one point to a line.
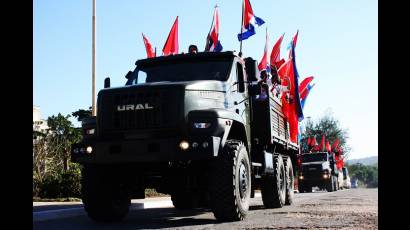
x: 50, y: 188
x: 62, y: 184
x: 70, y: 183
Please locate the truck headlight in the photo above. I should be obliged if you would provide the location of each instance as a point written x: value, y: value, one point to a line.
x: 184, y: 145
x: 202, y: 125
x: 325, y: 176
x: 301, y: 177
x: 89, y: 149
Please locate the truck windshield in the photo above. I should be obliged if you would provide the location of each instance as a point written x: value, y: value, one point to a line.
x: 311, y: 157
x: 185, y: 71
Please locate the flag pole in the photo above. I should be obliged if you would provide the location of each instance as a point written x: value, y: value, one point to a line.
x: 93, y: 61
x: 240, y: 49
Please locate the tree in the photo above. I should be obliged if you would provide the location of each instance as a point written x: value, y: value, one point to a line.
x: 328, y: 126
x: 368, y: 174
x: 82, y: 113
x: 63, y: 134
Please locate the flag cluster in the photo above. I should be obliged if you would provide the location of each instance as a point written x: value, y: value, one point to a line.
x: 294, y: 94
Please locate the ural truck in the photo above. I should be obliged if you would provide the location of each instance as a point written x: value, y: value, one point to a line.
x: 188, y: 125
x: 318, y: 169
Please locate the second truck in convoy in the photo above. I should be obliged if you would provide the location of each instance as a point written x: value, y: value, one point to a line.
x: 318, y: 169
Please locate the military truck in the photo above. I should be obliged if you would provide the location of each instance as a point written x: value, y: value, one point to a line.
x: 188, y: 125
x: 318, y: 169
x: 346, y: 178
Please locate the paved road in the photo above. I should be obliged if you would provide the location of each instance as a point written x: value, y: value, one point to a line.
x: 345, y: 209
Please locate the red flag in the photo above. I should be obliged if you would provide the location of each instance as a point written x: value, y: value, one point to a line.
x: 287, y: 76
x: 279, y: 63
x: 275, y: 54
x: 339, y: 162
x: 308, y: 141
x: 286, y: 71
x: 322, y: 144
x: 171, y: 45
x: 327, y: 146
x: 148, y: 47
x: 335, y: 144
x: 264, y: 64
x: 313, y: 141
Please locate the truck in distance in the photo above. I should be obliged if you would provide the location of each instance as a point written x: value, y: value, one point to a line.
x: 318, y: 169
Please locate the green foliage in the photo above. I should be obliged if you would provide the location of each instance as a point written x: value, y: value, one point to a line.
x: 54, y: 176
x: 330, y: 127
x: 367, y: 174
x: 82, y: 113
x: 50, y: 187
x: 60, y: 185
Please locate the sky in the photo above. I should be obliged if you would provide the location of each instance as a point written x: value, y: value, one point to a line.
x: 337, y: 44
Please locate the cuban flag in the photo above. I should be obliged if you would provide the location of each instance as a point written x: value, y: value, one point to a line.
x: 292, y: 56
x: 264, y: 64
x: 248, y: 22
x: 213, y: 44
x: 304, y: 89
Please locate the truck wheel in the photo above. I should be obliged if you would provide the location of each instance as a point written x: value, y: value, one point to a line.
x: 183, y: 200
x: 230, y: 182
x: 273, y: 188
x: 290, y: 182
x: 330, y: 185
x: 309, y: 189
x: 301, y: 188
x: 104, y: 198
x: 336, y: 186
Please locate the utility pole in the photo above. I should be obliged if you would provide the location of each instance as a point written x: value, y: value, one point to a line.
x: 94, y: 109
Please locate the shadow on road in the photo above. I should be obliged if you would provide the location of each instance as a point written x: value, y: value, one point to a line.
x: 138, y: 219
x: 167, y: 217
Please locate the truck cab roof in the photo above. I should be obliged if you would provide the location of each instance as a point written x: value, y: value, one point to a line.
x: 188, y: 56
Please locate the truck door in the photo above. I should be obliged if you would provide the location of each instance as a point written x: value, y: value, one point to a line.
x: 240, y: 97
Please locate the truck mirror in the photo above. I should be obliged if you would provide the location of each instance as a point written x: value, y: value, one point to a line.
x: 240, y: 77
x: 107, y: 82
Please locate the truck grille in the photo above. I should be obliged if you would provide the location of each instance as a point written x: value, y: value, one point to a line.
x: 141, y: 118
x: 165, y: 111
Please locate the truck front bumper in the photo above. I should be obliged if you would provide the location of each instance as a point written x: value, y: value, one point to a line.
x: 138, y: 151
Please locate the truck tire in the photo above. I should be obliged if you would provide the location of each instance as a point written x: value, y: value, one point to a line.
x: 301, y: 188
x: 105, y: 199
x: 230, y: 182
x: 273, y: 187
x: 290, y: 182
x: 330, y: 185
x: 183, y: 200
